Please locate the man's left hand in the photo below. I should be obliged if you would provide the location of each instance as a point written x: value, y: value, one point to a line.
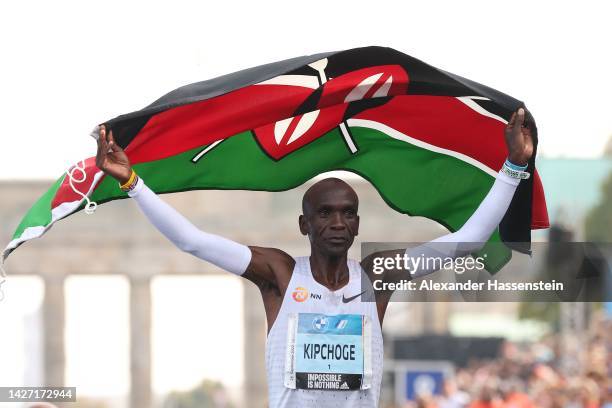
x: 519, y: 139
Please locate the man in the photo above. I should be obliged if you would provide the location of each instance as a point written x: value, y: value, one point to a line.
x: 325, y: 350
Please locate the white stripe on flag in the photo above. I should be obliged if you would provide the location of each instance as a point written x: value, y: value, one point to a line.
x: 396, y: 134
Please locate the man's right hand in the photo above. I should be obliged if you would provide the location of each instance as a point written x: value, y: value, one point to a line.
x: 111, y: 158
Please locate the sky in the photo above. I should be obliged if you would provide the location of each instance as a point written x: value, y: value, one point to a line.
x: 69, y: 65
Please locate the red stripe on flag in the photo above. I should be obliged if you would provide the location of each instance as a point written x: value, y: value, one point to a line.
x: 444, y: 122
x: 197, y: 124
x: 448, y: 123
x: 189, y: 126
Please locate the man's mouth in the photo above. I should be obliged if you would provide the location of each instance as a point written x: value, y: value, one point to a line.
x: 337, y: 240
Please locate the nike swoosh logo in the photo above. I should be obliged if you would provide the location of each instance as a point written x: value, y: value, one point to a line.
x: 349, y: 299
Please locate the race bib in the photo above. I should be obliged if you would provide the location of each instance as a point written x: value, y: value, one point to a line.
x: 328, y: 352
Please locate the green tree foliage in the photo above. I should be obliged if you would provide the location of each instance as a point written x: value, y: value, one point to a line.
x: 209, y: 394
x: 548, y: 312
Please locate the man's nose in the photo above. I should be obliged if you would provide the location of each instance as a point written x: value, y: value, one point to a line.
x: 337, y: 221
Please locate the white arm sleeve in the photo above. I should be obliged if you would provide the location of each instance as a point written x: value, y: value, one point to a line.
x: 477, y: 229
x: 225, y: 253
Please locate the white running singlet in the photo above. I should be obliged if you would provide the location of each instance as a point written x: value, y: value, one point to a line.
x: 325, y: 348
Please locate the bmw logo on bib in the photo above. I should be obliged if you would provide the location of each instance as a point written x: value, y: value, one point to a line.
x: 320, y: 323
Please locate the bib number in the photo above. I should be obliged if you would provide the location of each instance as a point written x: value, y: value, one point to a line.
x: 328, y: 352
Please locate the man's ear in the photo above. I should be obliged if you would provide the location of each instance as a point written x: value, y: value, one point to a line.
x: 357, y: 227
x: 303, y: 225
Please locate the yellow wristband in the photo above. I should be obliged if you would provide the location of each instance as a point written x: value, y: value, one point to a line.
x: 129, y: 182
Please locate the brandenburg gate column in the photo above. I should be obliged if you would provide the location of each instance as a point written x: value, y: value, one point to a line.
x: 255, y: 386
x: 54, y: 322
x: 140, y: 342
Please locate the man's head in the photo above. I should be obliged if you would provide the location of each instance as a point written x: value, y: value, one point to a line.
x: 330, y: 217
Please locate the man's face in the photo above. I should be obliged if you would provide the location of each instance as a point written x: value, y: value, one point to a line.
x: 330, y: 217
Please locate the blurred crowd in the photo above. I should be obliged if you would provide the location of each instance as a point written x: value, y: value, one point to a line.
x: 557, y: 372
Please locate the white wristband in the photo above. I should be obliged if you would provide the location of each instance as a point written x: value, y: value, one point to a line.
x: 517, y: 174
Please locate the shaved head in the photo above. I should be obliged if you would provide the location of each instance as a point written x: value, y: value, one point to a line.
x: 319, y: 189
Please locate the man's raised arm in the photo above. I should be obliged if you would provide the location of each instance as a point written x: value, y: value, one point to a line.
x: 478, y: 228
x: 222, y: 252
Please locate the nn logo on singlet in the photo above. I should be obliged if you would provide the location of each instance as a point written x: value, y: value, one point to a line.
x: 300, y: 294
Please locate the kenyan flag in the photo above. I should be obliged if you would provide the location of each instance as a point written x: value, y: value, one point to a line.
x: 431, y: 142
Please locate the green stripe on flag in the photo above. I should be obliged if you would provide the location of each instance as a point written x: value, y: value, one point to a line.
x: 40, y: 213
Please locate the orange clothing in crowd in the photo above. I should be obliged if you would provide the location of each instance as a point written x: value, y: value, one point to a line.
x: 517, y: 400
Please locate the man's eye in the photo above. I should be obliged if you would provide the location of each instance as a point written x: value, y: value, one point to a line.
x: 350, y: 213
x: 324, y: 212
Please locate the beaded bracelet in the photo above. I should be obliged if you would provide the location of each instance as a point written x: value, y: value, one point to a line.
x: 131, y: 183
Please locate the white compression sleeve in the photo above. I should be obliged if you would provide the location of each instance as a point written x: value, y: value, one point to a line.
x: 225, y: 253
x: 477, y: 229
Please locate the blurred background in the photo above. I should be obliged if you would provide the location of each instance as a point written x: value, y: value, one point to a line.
x: 105, y: 304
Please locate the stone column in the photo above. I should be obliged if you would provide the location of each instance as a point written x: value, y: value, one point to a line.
x: 54, y: 322
x: 140, y: 342
x: 255, y: 392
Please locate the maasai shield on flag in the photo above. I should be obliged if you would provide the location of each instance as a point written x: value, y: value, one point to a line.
x: 431, y: 142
